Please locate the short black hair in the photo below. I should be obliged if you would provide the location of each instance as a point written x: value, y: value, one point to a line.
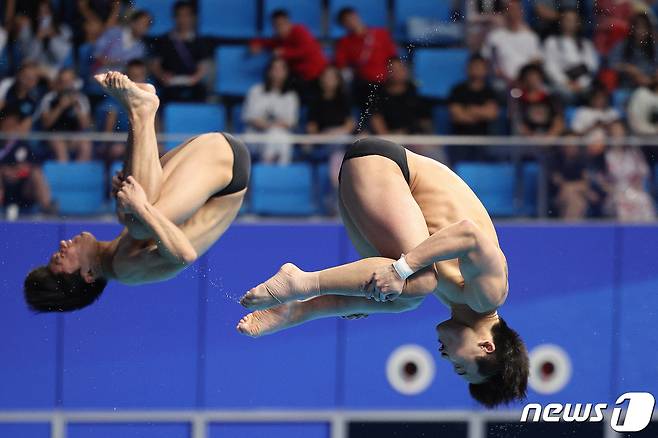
x: 476, y: 57
x: 135, y: 63
x: 182, y: 4
x: 506, y: 369
x: 138, y: 14
x: 279, y: 13
x: 531, y: 68
x: 343, y: 13
x: 46, y: 291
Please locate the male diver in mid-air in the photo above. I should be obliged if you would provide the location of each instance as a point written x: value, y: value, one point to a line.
x: 394, y: 202
x: 173, y: 208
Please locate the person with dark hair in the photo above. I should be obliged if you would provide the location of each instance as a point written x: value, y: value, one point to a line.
x: 473, y: 107
x: 66, y: 109
x: 118, y: 45
x: 597, y: 114
x: 21, y: 94
x: 44, y: 40
x: 22, y: 181
x: 548, y: 14
x: 570, y: 59
x: 272, y: 107
x: 512, y: 46
x: 181, y: 58
x: 363, y: 55
x: 536, y: 111
x: 294, y: 43
x: 396, y: 204
x: 398, y: 108
x: 173, y: 209
x: 636, y: 58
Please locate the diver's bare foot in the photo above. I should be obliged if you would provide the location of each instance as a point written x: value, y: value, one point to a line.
x: 265, y: 322
x: 289, y: 284
x: 138, y: 99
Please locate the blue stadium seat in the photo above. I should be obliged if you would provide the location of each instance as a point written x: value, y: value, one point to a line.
x: 78, y: 188
x: 373, y: 13
x: 439, y: 10
x: 620, y: 100
x: 238, y: 70
x: 307, y: 12
x: 530, y: 178
x: 282, y: 190
x: 193, y: 118
x: 222, y: 19
x: 237, y: 124
x: 569, y: 113
x: 441, y: 119
x: 493, y: 183
x: 161, y: 13
x: 438, y: 70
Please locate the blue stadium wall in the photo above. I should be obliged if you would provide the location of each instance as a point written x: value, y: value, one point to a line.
x: 590, y: 289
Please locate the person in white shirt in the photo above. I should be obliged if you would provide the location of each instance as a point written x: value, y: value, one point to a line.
x: 511, y: 47
x: 643, y: 109
x: 570, y: 60
x: 597, y: 115
x: 628, y: 173
x: 272, y: 107
x: 45, y: 40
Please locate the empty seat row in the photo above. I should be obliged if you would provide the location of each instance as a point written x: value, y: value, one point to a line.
x: 80, y: 188
x: 226, y: 19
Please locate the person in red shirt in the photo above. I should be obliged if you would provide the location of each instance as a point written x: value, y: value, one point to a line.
x: 366, y: 52
x: 300, y: 49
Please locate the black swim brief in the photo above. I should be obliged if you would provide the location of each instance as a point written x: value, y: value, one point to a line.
x: 241, y: 166
x: 383, y: 148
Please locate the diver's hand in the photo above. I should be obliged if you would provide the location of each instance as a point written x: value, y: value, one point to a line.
x: 385, y: 285
x: 117, y: 180
x: 131, y: 197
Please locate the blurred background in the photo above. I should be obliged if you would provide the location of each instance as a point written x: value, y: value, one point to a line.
x: 548, y: 109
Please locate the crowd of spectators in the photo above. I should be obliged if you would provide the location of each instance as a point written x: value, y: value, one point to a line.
x: 558, y: 77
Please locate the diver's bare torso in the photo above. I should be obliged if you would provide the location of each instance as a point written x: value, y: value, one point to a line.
x: 444, y: 199
x: 136, y: 261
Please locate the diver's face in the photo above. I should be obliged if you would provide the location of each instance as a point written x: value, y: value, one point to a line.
x: 458, y: 344
x: 73, y: 255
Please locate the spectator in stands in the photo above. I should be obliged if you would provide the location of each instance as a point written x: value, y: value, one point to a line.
x: 363, y: 55
x: 636, y: 59
x: 119, y: 45
x: 598, y: 114
x: 549, y: 12
x: 66, y: 109
x: 628, y: 173
x: 643, y: 109
x: 612, y: 22
x: 473, y: 107
x: 330, y: 112
x: 44, y: 40
x: 22, y: 182
x: 570, y: 186
x: 273, y: 108
x: 511, y: 47
x: 111, y: 117
x: 21, y: 94
x: 181, y: 58
x: 481, y: 17
x: 298, y: 47
x: 570, y: 59
x: 537, y: 111
x: 400, y: 110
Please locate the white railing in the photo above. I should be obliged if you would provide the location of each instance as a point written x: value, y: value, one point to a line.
x: 310, y: 139
x: 338, y: 421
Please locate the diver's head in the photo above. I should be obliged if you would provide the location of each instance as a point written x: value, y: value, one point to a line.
x: 490, y: 356
x: 72, y: 279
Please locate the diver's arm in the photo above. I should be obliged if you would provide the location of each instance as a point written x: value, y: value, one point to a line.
x: 480, y: 261
x: 172, y: 244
